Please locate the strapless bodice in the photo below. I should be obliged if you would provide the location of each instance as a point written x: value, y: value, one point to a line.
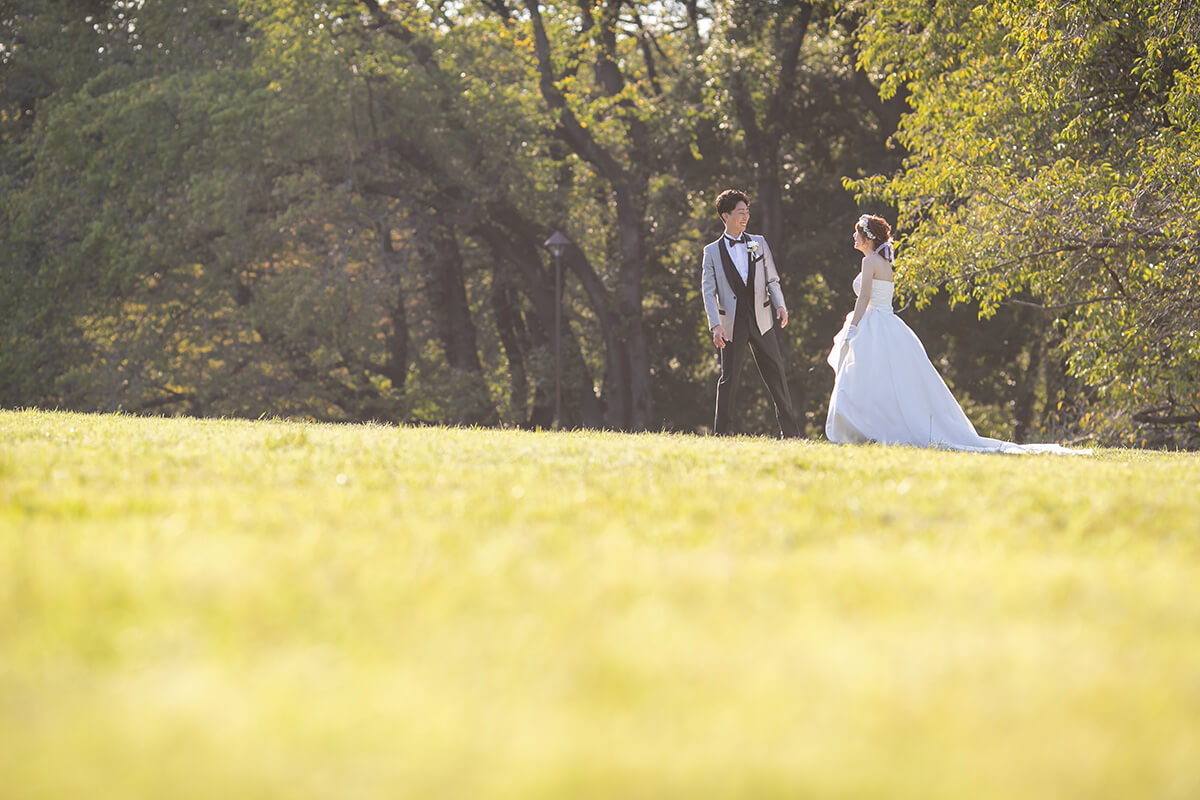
x: 881, y: 292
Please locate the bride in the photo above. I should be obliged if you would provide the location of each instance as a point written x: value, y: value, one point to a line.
x: 885, y: 389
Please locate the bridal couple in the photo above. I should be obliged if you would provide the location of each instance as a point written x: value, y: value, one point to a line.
x: 885, y: 389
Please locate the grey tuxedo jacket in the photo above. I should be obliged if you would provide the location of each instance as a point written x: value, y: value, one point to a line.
x: 720, y: 302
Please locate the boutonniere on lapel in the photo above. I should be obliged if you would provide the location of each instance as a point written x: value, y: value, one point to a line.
x: 755, y: 256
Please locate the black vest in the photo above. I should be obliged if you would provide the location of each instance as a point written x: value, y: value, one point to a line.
x: 743, y: 291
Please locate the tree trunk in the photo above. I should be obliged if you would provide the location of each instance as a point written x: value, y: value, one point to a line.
x: 503, y: 308
x: 630, y: 398
x: 448, y: 297
x: 615, y: 391
x: 530, y: 236
x: 770, y: 204
x: 640, y: 410
x: 395, y: 366
x: 1027, y: 394
x: 580, y: 404
x: 451, y: 314
x: 764, y: 139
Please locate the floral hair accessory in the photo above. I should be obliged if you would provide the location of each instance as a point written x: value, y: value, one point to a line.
x: 863, y: 225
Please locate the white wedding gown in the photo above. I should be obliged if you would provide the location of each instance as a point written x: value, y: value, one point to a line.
x: 887, y: 391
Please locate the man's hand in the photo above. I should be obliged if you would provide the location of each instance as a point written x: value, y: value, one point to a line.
x: 781, y: 315
x: 719, y: 339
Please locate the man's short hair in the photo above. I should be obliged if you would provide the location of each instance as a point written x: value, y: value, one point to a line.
x: 727, y: 200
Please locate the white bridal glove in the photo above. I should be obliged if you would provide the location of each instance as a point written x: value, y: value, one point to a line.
x: 851, y: 332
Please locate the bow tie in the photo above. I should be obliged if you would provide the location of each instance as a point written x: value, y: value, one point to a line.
x: 730, y: 241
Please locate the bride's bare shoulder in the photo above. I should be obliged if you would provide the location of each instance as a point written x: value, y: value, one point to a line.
x: 875, y: 263
x: 878, y: 266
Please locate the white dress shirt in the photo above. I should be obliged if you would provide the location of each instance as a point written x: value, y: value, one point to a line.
x: 741, y: 258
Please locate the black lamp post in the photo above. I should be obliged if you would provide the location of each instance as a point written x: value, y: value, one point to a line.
x: 558, y: 244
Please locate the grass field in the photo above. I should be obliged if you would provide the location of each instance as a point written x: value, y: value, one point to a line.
x: 204, y: 608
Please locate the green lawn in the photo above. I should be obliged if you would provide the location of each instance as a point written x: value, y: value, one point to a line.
x: 204, y: 608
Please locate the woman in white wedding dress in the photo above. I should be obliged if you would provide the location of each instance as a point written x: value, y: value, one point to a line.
x: 885, y: 389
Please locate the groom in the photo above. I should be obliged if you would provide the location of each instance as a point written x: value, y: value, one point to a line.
x: 740, y: 287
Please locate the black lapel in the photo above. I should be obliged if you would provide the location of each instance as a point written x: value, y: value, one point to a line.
x: 731, y: 273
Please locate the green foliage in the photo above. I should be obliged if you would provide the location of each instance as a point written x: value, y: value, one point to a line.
x: 1052, y: 152
x: 260, y: 609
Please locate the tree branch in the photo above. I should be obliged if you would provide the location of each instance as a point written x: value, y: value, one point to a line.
x: 575, y: 134
x: 1157, y: 416
x: 778, y: 106
x: 385, y: 22
x: 648, y: 44
x: 1060, y: 306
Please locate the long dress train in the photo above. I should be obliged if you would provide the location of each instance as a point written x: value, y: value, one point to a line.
x: 887, y: 391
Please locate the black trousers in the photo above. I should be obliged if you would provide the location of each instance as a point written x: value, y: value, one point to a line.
x: 769, y: 360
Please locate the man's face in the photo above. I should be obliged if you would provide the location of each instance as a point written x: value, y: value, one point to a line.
x: 739, y: 218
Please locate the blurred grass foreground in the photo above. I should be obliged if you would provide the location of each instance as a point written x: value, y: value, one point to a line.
x: 212, y: 608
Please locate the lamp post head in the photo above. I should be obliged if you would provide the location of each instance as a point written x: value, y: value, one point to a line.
x: 558, y: 244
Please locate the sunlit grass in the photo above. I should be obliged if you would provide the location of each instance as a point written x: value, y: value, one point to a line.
x: 236, y: 609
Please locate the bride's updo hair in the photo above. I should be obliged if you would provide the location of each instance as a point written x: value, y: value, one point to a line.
x: 874, y: 228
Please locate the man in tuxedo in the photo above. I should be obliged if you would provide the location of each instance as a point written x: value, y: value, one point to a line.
x: 740, y: 286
